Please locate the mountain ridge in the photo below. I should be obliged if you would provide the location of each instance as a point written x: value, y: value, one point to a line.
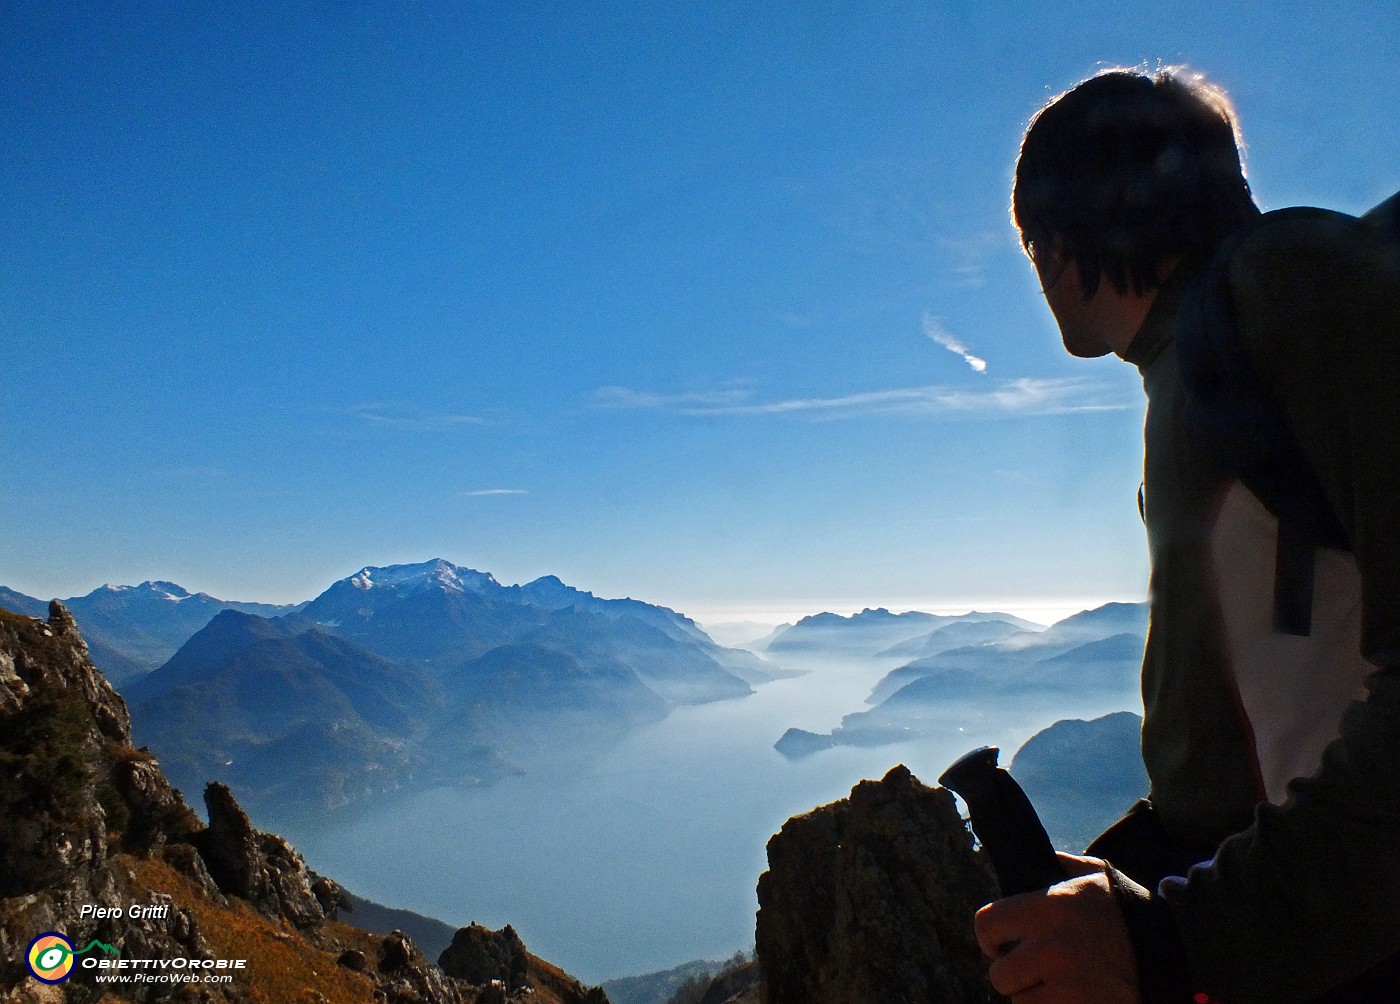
x: 131, y: 630
x: 873, y: 631
x: 405, y: 676
x: 1096, y: 652
x: 90, y: 830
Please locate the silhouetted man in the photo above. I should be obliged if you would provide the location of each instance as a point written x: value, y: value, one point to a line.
x: 1269, y: 348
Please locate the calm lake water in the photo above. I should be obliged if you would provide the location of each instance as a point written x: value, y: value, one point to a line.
x: 648, y: 856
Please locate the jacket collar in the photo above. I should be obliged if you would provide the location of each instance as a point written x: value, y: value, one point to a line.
x: 1157, y: 329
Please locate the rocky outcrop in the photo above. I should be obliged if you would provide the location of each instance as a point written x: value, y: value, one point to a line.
x: 260, y: 867
x: 59, y: 715
x: 479, y: 955
x: 497, y: 962
x: 74, y: 795
x: 407, y: 978
x: 871, y: 899
x: 88, y: 821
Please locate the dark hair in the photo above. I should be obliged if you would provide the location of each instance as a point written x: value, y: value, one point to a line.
x: 1129, y: 169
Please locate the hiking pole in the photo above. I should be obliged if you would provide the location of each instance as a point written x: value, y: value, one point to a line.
x: 1005, y: 822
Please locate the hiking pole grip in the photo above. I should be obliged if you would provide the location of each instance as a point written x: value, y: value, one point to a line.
x: 1005, y: 822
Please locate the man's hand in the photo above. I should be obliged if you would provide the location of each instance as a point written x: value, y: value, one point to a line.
x: 1063, y: 945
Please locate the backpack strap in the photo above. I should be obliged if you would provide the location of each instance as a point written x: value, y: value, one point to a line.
x: 1386, y: 218
x: 1235, y: 417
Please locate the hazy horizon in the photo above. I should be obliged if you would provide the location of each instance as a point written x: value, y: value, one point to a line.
x: 765, y: 613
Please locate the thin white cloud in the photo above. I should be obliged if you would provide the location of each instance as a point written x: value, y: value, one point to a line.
x: 702, y: 402
x: 413, y: 419
x: 1022, y: 396
x: 485, y: 492
x: 942, y: 336
x: 971, y: 254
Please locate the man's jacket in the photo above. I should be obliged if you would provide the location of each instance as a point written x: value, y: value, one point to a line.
x: 1280, y: 753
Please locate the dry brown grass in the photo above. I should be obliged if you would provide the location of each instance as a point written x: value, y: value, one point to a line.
x: 284, y: 967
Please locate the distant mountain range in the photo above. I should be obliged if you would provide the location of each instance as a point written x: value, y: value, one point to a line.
x: 130, y: 630
x: 433, y: 674
x: 1024, y: 659
x: 982, y: 657
x: 873, y: 632
x: 405, y: 676
x: 959, y: 634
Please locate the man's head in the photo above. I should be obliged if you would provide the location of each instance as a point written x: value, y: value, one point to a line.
x: 1128, y: 173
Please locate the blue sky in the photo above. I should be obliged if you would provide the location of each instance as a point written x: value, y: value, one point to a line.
x: 712, y: 305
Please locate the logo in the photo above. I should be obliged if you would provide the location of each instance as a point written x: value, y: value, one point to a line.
x: 50, y: 956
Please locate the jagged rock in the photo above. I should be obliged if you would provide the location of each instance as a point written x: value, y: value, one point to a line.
x: 495, y: 966
x: 155, y: 812
x: 73, y: 793
x: 260, y: 867
x: 13, y: 689
x: 329, y: 894
x: 478, y: 955
x: 409, y: 977
x: 230, y: 849
x: 107, y: 706
x: 186, y: 860
x: 292, y: 881
x: 871, y: 899
x: 395, y: 952
x: 58, y: 711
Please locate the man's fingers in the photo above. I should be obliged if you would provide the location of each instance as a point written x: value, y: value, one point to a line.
x: 998, y: 926
x: 1013, y: 975
x: 1063, y: 945
x: 989, y: 927
x: 1001, y: 924
x: 1076, y: 865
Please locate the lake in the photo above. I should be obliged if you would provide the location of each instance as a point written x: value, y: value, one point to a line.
x: 647, y: 856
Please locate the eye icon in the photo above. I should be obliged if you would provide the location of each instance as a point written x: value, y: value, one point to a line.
x: 50, y: 958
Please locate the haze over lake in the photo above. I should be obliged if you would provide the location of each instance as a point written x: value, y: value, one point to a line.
x: 647, y: 856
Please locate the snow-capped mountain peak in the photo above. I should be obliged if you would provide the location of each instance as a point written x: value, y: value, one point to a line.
x: 158, y: 589
x: 437, y: 573
x: 168, y: 590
